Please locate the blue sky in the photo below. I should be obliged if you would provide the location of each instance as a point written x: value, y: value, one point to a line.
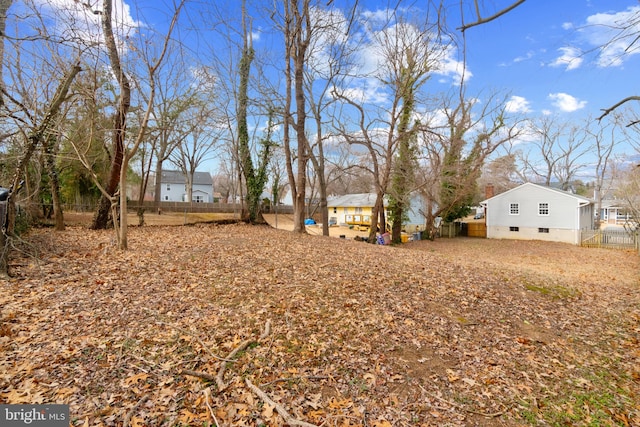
x: 544, y: 53
x: 546, y: 56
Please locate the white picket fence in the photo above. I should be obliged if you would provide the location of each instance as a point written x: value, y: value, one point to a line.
x: 610, y: 238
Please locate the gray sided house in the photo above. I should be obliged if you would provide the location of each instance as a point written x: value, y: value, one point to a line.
x: 173, y: 187
x: 536, y: 212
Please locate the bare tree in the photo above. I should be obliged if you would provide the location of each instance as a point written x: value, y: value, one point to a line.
x: 36, y: 136
x: 38, y: 69
x: 604, y: 141
x: 175, y: 97
x: 297, y: 36
x: 501, y: 173
x: 109, y: 199
x: 629, y: 192
x: 555, y: 152
x: 409, y: 51
x: 124, y: 154
x: 454, y: 145
x: 329, y: 56
x: 199, y: 141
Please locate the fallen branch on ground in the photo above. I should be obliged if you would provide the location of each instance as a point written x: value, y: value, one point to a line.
x: 206, y: 400
x: 130, y: 414
x: 288, y: 419
x: 243, y: 345
x: 198, y: 374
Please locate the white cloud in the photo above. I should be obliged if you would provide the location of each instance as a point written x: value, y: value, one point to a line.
x: 365, y: 91
x: 74, y: 20
x: 449, y: 66
x: 378, y: 17
x: 571, y: 58
x: 524, y: 57
x: 517, y: 104
x: 612, y: 34
x: 566, y: 102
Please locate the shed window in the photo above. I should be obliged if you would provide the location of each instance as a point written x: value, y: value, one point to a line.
x: 514, y: 229
x: 514, y: 209
x: 543, y: 209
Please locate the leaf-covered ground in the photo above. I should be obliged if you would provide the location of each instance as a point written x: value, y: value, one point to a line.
x: 335, y: 332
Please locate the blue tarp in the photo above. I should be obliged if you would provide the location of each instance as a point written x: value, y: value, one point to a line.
x: 309, y: 221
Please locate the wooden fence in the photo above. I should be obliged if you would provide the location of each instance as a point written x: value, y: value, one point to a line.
x: 188, y: 207
x: 610, y: 238
x: 467, y: 229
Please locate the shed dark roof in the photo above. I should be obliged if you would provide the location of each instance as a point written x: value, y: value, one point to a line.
x: 360, y: 200
x: 177, y: 177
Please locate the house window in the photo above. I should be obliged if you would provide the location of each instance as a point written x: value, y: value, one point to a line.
x: 168, y: 187
x: 198, y: 199
x: 543, y: 209
x: 514, y: 209
x: 359, y: 210
x: 346, y: 210
x: 166, y: 197
x: 543, y: 230
x: 335, y: 210
x: 514, y: 229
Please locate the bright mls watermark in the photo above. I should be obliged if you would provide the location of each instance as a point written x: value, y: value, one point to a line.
x: 34, y: 415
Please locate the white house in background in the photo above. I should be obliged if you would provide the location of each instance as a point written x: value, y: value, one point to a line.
x: 536, y: 212
x: 173, y: 187
x: 614, y: 212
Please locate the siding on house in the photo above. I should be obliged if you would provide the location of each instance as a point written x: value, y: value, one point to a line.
x: 535, y: 212
x: 342, y: 210
x: 173, y: 187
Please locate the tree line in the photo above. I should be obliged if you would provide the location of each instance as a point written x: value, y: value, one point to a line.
x: 338, y: 100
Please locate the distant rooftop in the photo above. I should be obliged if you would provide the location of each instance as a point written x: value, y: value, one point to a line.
x: 177, y: 177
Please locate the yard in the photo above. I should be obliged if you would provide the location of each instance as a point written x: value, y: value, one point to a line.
x: 237, y: 325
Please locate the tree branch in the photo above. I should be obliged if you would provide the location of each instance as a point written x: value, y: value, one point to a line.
x: 498, y: 14
x: 243, y: 345
x: 618, y: 104
x: 288, y: 419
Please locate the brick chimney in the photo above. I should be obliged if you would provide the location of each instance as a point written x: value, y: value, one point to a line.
x: 489, y: 191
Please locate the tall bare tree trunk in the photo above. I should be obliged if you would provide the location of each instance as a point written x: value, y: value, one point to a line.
x: 101, y: 218
x: 300, y: 42
x: 51, y: 151
x: 287, y: 104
